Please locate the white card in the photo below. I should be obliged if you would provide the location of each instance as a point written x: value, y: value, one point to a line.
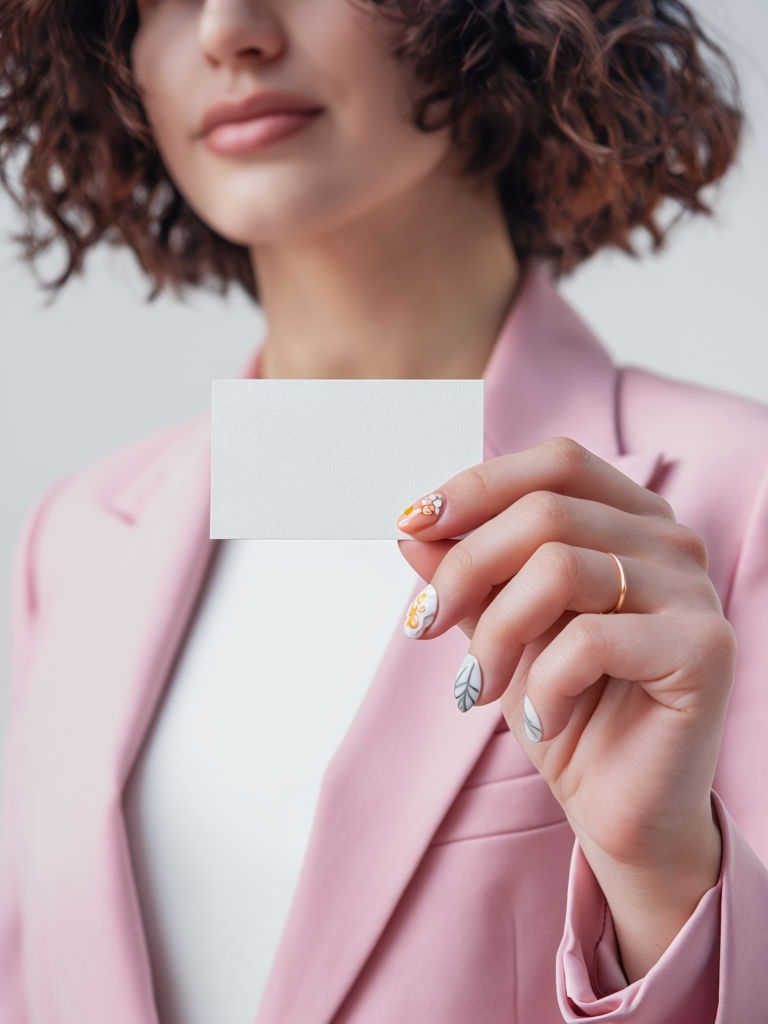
x: 335, y: 459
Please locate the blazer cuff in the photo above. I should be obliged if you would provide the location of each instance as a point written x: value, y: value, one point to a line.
x: 681, y: 986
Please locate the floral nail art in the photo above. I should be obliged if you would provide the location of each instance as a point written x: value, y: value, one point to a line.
x: 421, y: 514
x: 422, y: 612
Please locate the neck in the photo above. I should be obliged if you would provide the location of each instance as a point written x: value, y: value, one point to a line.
x: 418, y: 289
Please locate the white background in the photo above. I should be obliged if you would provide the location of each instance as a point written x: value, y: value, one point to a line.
x: 101, y: 367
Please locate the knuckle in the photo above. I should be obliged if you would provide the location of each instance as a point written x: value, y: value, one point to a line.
x: 692, y: 545
x: 587, y: 639
x: 557, y: 560
x: 713, y: 649
x: 476, y: 481
x: 569, y: 456
x: 717, y: 639
x: 682, y: 541
x: 660, y: 507
x: 459, y: 561
x: 545, y: 508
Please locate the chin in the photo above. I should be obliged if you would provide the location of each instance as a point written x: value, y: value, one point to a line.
x: 244, y: 216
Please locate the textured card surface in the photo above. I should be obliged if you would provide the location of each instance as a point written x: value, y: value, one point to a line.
x: 335, y: 459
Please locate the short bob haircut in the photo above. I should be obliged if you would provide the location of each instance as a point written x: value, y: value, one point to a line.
x: 588, y: 114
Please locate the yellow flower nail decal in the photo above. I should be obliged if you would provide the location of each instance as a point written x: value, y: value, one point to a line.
x: 422, y: 612
x: 421, y: 514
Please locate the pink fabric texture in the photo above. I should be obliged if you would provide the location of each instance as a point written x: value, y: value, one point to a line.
x: 441, y: 881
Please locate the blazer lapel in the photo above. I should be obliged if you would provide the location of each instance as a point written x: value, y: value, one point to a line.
x: 408, y: 750
x: 112, y: 638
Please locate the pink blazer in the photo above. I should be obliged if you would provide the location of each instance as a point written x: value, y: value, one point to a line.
x: 441, y: 882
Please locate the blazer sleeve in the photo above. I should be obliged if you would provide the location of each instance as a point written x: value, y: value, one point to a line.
x: 24, y: 606
x: 714, y: 972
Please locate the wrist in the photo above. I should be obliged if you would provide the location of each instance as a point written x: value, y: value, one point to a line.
x: 652, y: 896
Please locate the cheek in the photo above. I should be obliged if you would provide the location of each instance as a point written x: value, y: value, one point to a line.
x: 141, y: 55
x: 160, y: 70
x: 380, y: 94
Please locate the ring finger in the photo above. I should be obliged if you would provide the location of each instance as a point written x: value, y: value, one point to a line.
x: 557, y: 579
x: 468, y: 573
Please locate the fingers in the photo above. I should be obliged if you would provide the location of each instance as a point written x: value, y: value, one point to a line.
x: 530, y: 553
x: 644, y: 648
x: 558, y: 465
x: 557, y: 580
x: 465, y: 573
x: 571, y: 591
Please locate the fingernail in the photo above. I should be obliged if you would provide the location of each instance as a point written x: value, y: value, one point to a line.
x: 469, y: 680
x: 422, y: 612
x: 421, y: 514
x: 531, y: 722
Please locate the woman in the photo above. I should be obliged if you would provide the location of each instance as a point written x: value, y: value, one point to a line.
x: 589, y: 840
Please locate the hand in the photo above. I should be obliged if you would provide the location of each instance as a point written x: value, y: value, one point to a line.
x: 629, y: 707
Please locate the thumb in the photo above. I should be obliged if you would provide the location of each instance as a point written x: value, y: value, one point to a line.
x: 425, y: 556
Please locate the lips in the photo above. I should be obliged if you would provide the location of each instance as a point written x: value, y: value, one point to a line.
x: 240, y: 138
x: 231, y: 109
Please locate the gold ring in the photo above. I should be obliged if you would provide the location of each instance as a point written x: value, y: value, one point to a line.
x: 622, y: 585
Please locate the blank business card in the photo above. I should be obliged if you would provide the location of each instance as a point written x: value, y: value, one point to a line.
x: 335, y: 459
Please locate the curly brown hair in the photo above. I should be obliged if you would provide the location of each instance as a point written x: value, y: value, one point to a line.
x: 588, y: 114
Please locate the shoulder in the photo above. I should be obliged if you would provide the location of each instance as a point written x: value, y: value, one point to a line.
x: 713, y: 449
x: 129, y: 464
x: 118, y: 480
x: 703, y: 430
x: 125, y: 469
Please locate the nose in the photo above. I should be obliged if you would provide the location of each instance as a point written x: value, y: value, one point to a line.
x: 232, y: 31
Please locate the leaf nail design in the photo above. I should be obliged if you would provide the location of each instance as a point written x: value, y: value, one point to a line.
x: 531, y: 722
x: 466, y: 688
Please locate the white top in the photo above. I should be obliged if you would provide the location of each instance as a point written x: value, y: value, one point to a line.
x: 285, y: 643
